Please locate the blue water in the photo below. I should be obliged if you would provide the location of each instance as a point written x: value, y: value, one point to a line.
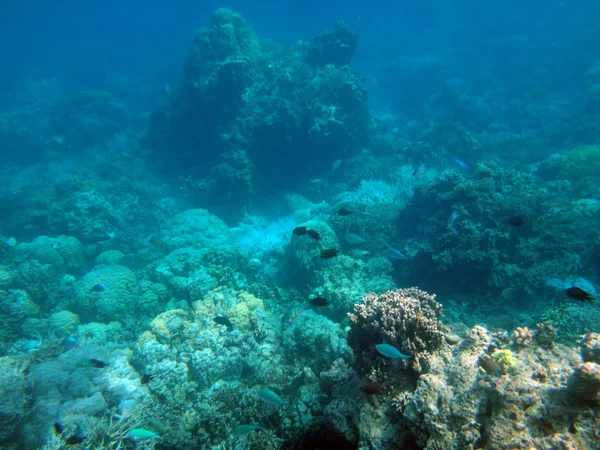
x: 178, y: 187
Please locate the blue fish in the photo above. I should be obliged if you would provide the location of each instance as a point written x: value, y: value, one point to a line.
x: 270, y: 397
x: 68, y: 343
x: 389, y: 351
x: 353, y: 239
x: 394, y: 253
x: 461, y: 163
x: 98, y: 288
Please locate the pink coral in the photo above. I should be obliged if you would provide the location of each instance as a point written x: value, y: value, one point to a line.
x: 406, y: 318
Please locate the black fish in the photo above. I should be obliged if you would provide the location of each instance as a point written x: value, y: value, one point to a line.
x: 98, y: 364
x: 330, y: 253
x: 313, y: 234
x: 344, y: 212
x: 77, y: 437
x: 58, y: 428
x: 299, y: 231
x: 74, y: 440
x: 98, y: 288
x: 319, y: 301
x: 223, y: 320
x: 579, y: 294
x: 145, y: 379
x: 515, y: 221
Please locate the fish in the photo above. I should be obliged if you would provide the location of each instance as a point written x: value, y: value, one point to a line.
x: 58, y: 428
x: 419, y: 170
x: 344, y: 212
x: 68, y: 343
x: 293, y: 313
x: 299, y: 231
x: 394, y: 253
x: 389, y: 351
x: 140, y: 435
x: 318, y: 302
x: 224, y: 320
x: 78, y: 437
x: 329, y: 253
x: 461, y: 163
x: 515, y: 221
x: 157, y: 242
x: 313, y: 234
x: 371, y: 388
x: 490, y: 366
x: 353, y: 239
x: 98, y: 364
x: 270, y: 397
x: 452, y: 218
x: 99, y: 287
x: 579, y: 294
x: 145, y: 379
x: 242, y: 429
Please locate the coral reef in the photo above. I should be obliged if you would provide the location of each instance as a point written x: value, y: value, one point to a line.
x: 406, y: 318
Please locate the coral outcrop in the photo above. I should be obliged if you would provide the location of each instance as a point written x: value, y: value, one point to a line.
x: 407, y: 319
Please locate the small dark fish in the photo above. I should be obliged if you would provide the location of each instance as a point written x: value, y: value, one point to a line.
x: 329, y: 253
x: 157, y: 242
x: 98, y: 364
x: 223, y: 320
x: 78, y: 437
x: 74, y: 440
x: 299, y: 231
x: 491, y: 366
x: 343, y: 212
x: 579, y: 294
x: 317, y: 302
x: 313, y: 234
x: 371, y: 388
x: 58, y: 428
x: 98, y: 288
x: 515, y: 221
x: 145, y: 379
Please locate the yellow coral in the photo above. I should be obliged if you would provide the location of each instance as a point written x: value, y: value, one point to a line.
x: 505, y: 358
x: 240, y: 316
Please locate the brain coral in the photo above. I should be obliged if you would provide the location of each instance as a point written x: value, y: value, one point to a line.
x: 199, y: 229
x: 406, y: 318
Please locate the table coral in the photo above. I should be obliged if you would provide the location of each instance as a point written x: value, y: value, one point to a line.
x: 406, y: 318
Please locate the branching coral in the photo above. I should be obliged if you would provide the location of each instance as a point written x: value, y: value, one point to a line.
x: 406, y: 318
x: 522, y: 336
